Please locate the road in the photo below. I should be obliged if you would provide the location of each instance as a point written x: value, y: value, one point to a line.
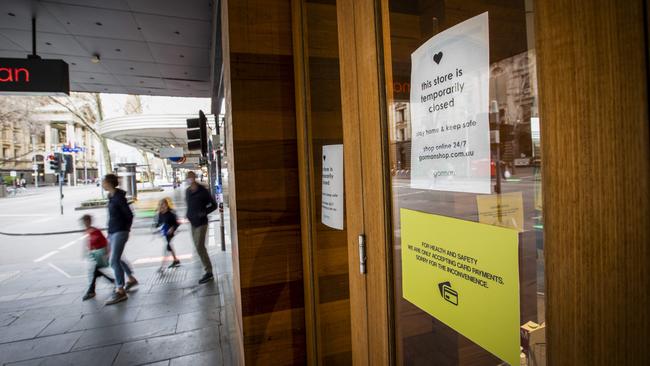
x: 37, y: 212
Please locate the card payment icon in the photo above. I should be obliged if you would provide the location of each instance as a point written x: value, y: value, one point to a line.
x: 447, y: 293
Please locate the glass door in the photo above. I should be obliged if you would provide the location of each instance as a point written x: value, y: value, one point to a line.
x: 511, y: 196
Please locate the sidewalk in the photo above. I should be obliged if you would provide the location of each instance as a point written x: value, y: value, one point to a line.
x: 168, y: 319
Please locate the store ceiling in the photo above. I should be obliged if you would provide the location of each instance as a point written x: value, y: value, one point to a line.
x: 146, y: 47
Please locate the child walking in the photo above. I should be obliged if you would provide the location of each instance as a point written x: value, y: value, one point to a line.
x: 168, y: 223
x: 98, y: 253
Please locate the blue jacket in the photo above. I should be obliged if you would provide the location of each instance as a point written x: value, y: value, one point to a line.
x: 120, y: 217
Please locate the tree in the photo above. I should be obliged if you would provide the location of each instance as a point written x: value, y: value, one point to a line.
x: 87, y: 108
x: 16, y: 112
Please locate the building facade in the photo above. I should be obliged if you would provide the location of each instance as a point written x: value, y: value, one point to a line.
x: 30, y: 138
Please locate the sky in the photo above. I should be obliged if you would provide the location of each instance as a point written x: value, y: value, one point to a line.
x: 113, y: 105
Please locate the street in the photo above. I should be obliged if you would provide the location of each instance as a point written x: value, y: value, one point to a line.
x: 43, y: 276
x: 37, y: 212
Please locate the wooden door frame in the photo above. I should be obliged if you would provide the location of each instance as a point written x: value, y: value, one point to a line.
x: 368, y: 200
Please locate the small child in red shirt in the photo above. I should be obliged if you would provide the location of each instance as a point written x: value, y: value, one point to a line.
x: 98, y: 253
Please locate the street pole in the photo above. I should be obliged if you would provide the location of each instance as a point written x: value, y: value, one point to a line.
x: 35, y: 163
x: 61, y: 190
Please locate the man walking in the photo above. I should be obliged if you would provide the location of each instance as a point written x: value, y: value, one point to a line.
x: 120, y: 219
x: 199, y: 205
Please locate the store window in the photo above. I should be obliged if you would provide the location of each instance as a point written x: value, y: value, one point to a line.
x: 509, y: 197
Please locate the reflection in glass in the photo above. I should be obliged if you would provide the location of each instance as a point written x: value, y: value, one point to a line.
x: 515, y: 170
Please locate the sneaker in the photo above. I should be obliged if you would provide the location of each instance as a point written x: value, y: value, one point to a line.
x: 175, y: 264
x: 206, y: 278
x: 130, y: 284
x: 117, y: 297
x: 88, y: 296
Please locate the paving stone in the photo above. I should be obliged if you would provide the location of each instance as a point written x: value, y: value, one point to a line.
x: 126, y: 332
x: 18, y: 332
x: 37, y: 302
x: 97, y: 357
x: 196, y: 304
x: 5, y: 298
x: 9, y: 317
x: 30, y: 295
x: 39, y: 347
x: 209, y: 358
x: 161, y: 363
x: 60, y: 325
x: 199, y: 319
x: 162, y: 348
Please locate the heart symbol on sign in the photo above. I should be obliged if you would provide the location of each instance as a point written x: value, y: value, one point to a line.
x: 437, y: 57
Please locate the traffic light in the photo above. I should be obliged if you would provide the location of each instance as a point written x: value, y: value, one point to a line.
x: 197, y: 134
x: 56, y: 162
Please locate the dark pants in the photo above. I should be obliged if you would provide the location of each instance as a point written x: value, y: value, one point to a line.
x: 95, y: 275
x: 169, y: 242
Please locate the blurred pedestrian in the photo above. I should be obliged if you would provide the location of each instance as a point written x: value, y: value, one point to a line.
x: 167, y: 222
x: 96, y: 246
x: 120, y: 219
x: 200, y: 204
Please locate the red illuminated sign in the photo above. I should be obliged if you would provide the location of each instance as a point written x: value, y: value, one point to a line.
x: 34, y: 76
x: 13, y: 74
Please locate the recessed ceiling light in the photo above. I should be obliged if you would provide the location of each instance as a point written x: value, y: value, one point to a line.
x: 118, y: 50
x: 98, y: 23
x: 181, y: 56
x: 68, y: 23
x: 185, y: 73
x: 131, y: 68
x: 73, y: 63
x: 177, y: 33
x: 48, y: 43
x: 11, y: 14
x: 95, y: 59
x: 139, y: 28
x: 92, y: 78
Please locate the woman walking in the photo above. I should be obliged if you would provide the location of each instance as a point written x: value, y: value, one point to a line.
x: 120, y: 219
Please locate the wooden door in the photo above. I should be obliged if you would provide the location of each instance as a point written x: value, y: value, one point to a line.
x: 363, y: 127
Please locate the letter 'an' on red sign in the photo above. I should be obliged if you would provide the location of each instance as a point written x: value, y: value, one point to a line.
x: 10, y: 74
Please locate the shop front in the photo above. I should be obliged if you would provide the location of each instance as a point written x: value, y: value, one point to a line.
x: 439, y: 182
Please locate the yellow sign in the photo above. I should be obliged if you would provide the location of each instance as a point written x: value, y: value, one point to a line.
x: 506, y: 209
x: 466, y: 275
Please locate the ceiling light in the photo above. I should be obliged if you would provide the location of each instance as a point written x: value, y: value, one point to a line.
x: 131, y: 68
x: 118, y: 50
x: 98, y: 23
x: 172, y: 145
x: 48, y: 43
x: 181, y: 56
x: 11, y: 14
x: 177, y: 33
x: 95, y: 59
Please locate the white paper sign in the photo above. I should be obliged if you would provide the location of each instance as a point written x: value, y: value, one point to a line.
x: 450, y: 139
x: 332, y: 211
